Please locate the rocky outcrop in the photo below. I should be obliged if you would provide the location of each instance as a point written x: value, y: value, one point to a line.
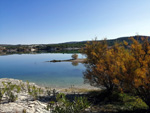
x: 25, y: 103
x: 23, y: 106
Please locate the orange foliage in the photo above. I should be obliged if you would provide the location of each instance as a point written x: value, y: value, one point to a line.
x: 119, y: 68
x: 103, y: 64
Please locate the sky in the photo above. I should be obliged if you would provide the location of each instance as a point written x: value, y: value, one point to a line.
x: 57, y: 21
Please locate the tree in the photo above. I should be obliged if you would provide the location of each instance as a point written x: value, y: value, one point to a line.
x: 119, y: 67
x: 140, y: 75
x: 74, y: 56
x: 103, y: 64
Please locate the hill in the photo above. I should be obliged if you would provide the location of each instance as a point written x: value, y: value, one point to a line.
x: 65, y: 46
x: 112, y: 41
x: 127, y: 39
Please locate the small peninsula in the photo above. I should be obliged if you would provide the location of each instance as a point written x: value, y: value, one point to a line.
x: 70, y: 60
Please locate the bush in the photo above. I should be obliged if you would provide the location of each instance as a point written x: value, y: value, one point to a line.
x: 128, y: 102
x: 2, y: 91
x: 9, y: 91
x: 118, y: 102
x: 74, y: 56
x: 123, y: 67
x: 34, y: 91
x: 63, y: 105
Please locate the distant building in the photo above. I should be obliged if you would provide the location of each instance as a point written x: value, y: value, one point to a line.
x: 32, y: 49
x: 2, y: 48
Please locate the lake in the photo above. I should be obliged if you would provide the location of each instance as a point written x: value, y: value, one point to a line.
x: 34, y: 68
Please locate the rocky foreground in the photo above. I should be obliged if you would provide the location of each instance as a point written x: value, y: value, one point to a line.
x: 29, y: 98
x: 24, y: 103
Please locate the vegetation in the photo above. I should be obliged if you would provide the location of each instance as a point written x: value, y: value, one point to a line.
x: 77, y: 103
x: 24, y: 111
x: 34, y: 91
x: 63, y: 105
x: 73, y: 46
x: 2, y: 91
x: 116, y: 102
x: 9, y: 90
x: 74, y: 56
x: 123, y: 70
x: 120, y: 68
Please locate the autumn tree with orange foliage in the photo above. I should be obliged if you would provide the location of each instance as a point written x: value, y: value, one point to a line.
x: 139, y: 76
x: 103, y: 64
x: 119, y: 68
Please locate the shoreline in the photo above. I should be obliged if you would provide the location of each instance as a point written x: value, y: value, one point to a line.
x: 26, y: 102
x: 81, y: 88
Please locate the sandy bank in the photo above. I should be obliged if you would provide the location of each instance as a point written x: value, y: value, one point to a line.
x: 70, y: 60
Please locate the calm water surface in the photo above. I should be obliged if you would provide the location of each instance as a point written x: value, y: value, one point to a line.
x: 32, y: 67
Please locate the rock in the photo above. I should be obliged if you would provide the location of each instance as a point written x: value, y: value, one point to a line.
x: 24, y: 101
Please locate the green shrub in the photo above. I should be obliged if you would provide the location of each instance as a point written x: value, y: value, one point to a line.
x: 50, y: 105
x: 18, y: 88
x: 9, y: 91
x: 48, y: 92
x: 22, y: 85
x: 2, y: 91
x: 63, y: 105
x: 117, y: 102
x: 24, y: 111
x: 12, y: 97
x: 34, y: 91
x: 125, y: 102
x: 132, y: 103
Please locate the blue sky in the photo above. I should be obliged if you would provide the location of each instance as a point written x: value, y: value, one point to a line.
x: 56, y: 21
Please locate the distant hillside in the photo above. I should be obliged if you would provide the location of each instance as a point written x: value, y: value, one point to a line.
x: 81, y: 44
x: 69, y: 45
x: 112, y: 41
x: 127, y: 39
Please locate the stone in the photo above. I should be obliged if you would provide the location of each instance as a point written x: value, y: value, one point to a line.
x: 24, y: 101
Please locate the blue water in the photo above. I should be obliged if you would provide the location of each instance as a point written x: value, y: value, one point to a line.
x: 34, y: 68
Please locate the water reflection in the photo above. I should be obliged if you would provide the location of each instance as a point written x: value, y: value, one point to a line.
x: 34, y: 68
x: 75, y: 63
x: 37, y: 52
